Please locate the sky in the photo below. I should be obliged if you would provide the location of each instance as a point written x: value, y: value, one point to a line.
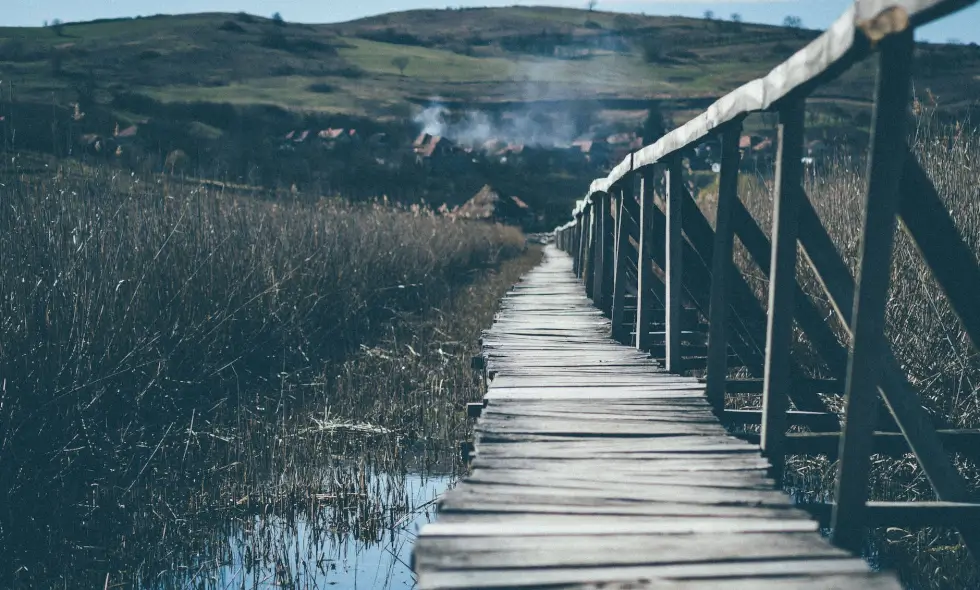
x: 816, y: 14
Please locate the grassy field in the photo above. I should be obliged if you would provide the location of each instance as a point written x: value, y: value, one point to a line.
x: 477, y: 55
x: 180, y: 350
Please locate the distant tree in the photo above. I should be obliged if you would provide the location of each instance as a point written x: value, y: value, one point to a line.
x: 709, y: 15
x: 58, y: 27
x: 401, y: 62
x: 592, y: 4
x: 653, y: 50
x: 654, y: 126
x: 736, y: 17
x: 793, y: 22
x: 953, y: 41
x: 278, y: 20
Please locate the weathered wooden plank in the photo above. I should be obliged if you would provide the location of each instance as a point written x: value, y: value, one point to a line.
x: 465, y: 552
x: 586, y: 438
x: 540, y: 577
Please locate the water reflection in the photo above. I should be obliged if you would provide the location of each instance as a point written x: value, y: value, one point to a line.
x: 365, y: 543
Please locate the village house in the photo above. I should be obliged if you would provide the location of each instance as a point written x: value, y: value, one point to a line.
x: 488, y: 205
x: 429, y: 148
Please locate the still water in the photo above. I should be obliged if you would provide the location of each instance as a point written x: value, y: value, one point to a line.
x: 363, y: 544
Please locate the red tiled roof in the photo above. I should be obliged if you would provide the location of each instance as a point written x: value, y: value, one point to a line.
x: 330, y: 133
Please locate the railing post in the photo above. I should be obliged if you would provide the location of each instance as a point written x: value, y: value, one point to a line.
x: 602, y: 227
x: 583, y: 234
x: 721, y: 267
x: 673, y: 268
x: 619, y: 279
x: 782, y: 283
x: 644, y: 270
x: 888, y: 152
x: 591, y: 250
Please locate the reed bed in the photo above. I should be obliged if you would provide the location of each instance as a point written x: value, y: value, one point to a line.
x: 924, y: 333
x: 167, y: 350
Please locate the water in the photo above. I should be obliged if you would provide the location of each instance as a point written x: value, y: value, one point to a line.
x: 364, y: 544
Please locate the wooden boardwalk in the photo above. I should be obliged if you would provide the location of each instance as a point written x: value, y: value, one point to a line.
x: 596, y: 468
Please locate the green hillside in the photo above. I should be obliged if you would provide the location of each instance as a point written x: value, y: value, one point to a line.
x: 477, y: 55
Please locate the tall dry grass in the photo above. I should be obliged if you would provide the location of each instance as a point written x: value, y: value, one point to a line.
x: 137, y: 316
x: 922, y: 329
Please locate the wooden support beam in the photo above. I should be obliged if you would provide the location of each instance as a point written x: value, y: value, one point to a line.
x: 644, y: 269
x: 805, y: 385
x: 722, y: 268
x: 673, y: 240
x: 697, y: 282
x: 819, y: 421
x: 898, y: 394
x: 907, y: 514
x: 782, y: 284
x: 888, y: 153
x: 599, y: 272
x: 620, y: 332
x: 937, y: 239
x: 474, y: 410
x: 607, y: 236
x: 810, y: 320
x: 748, y: 317
x: 892, y: 444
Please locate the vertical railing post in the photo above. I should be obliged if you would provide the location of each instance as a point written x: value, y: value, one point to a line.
x: 591, y: 250
x: 888, y: 152
x: 782, y: 283
x: 644, y: 268
x: 622, y: 243
x: 607, y: 237
x: 721, y: 267
x: 583, y: 235
x: 602, y: 226
x: 674, y: 267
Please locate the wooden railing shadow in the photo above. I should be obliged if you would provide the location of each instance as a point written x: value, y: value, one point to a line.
x: 664, y: 276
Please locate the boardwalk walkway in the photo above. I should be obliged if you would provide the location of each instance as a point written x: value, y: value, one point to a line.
x: 595, y: 468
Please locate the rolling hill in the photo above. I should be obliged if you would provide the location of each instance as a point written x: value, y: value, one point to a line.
x: 468, y: 55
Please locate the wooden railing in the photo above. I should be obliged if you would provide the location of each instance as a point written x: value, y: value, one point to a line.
x: 682, y: 272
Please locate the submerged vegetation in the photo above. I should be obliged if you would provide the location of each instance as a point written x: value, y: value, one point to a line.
x: 169, y: 351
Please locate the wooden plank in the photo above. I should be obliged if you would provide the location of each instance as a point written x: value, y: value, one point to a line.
x: 583, y: 437
x: 888, y: 153
x: 720, y: 570
x: 464, y: 552
x: 673, y: 240
x: 722, y: 267
x: 779, y: 334
x: 646, y: 279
